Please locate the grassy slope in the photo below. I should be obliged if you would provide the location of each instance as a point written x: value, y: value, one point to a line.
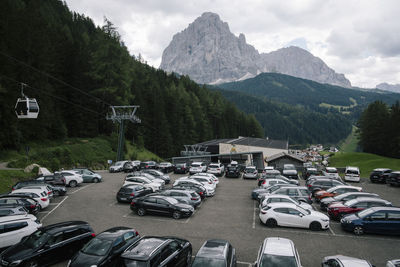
x: 365, y: 161
x: 9, y: 178
x: 351, y: 142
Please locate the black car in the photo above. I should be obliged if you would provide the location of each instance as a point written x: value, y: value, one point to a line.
x: 53, y: 179
x: 148, y: 165
x: 197, y: 188
x: 56, y: 189
x: 27, y: 202
x: 129, y: 192
x: 130, y: 167
x: 215, y: 252
x: 394, y: 178
x: 161, y: 205
x: 310, y: 171
x: 158, y: 251
x: 232, y: 171
x: 105, y: 248
x: 181, y: 168
x: 48, y: 245
x: 379, y: 175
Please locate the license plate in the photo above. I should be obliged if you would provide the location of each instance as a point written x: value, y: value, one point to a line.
x: 123, y: 198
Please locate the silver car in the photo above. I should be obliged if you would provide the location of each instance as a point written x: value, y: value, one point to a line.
x: 344, y: 261
x: 250, y: 173
x: 190, y: 196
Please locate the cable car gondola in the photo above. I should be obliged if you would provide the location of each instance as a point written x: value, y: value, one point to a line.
x: 26, y: 108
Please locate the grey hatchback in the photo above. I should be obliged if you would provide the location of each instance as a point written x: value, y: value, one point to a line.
x: 215, y: 252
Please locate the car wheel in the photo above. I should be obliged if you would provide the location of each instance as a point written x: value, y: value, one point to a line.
x: 73, y: 183
x: 271, y: 223
x: 31, y: 264
x: 176, y: 215
x: 141, y: 211
x: 189, y: 258
x: 315, y: 226
x: 95, y: 180
x: 358, y: 230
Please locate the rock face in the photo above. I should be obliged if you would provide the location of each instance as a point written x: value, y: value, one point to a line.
x: 209, y: 53
x: 389, y: 87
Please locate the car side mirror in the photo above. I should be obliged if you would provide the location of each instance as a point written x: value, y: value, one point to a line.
x: 301, y: 214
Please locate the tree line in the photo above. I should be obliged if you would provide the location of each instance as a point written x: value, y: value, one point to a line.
x: 379, y: 129
x: 76, y: 70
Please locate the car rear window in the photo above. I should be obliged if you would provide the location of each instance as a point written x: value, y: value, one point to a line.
x: 195, y: 165
x: 193, y: 194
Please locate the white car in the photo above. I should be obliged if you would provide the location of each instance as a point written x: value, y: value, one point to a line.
x: 15, y: 227
x: 352, y: 174
x: 37, y: 194
x: 72, y: 179
x: 209, y: 175
x: 284, y: 199
x: 45, y: 188
x: 118, y: 166
x: 148, y: 176
x: 278, y: 251
x: 217, y: 169
x: 331, y: 172
x: 197, y: 167
x: 210, y: 188
x: 269, y: 182
x: 344, y: 261
x: 206, y: 181
x: 292, y: 215
x: 144, y: 181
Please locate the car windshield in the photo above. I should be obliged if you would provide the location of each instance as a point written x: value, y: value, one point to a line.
x: 277, y: 261
x: 289, y: 167
x: 97, y: 247
x: 331, y: 170
x: 364, y: 213
x: 36, y: 240
x: 213, y: 166
x: 250, y: 170
x: 201, y: 261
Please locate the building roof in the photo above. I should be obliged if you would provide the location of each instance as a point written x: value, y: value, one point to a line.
x: 249, y: 141
x: 281, y: 155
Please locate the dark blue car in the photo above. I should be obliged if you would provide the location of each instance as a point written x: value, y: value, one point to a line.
x: 377, y: 220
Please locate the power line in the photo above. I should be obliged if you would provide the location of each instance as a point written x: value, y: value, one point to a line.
x: 51, y: 76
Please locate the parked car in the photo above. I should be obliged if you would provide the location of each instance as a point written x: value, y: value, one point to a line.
x: 118, y: 166
x: 331, y: 172
x: 232, y: 171
x: 197, y: 167
x: 48, y: 245
x: 56, y: 189
x: 199, y: 189
x: 319, y: 184
x: 181, y: 168
x: 270, y: 182
x: 299, y: 193
x: 161, y: 205
x: 325, y: 202
x: 292, y: 215
x: 268, y: 174
x: 278, y: 251
x: 215, y: 252
x: 284, y: 199
x: 41, y: 187
x: 25, y: 201
x: 88, y: 175
x: 148, y: 176
x: 14, y: 228
x: 379, y: 175
x: 72, y: 179
x: 157, y: 251
x: 166, y: 167
x: 158, y: 174
x: 189, y: 196
x: 394, y: 178
x: 250, y: 172
x: 105, y: 248
x: 344, y: 261
x: 209, y: 175
x: 37, y: 194
x: 129, y: 192
x: 334, y: 191
x: 207, y: 182
x: 376, y: 220
x: 129, y: 167
x: 281, y: 179
x: 338, y: 210
x: 289, y: 171
x: 56, y: 179
x: 217, y: 169
x: 352, y: 174
x: 257, y: 192
x: 393, y: 263
x: 310, y: 171
x: 11, y: 210
x: 144, y: 181
x: 148, y: 165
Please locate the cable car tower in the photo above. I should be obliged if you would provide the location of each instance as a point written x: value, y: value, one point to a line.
x: 120, y: 114
x: 26, y: 108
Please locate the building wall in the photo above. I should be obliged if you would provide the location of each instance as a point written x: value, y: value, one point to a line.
x: 278, y: 163
x: 267, y: 152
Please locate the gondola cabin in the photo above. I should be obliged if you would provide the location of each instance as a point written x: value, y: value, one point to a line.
x: 27, y: 108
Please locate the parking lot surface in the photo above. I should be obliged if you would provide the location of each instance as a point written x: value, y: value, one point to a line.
x: 231, y: 215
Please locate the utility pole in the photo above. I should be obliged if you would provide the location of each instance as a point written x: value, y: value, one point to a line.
x: 119, y: 114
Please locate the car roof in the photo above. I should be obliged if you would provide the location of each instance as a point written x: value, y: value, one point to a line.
x: 351, y: 261
x: 215, y: 248
x: 15, y: 218
x: 359, y: 199
x: 58, y: 227
x: 278, y: 246
x: 144, y: 248
x: 351, y: 168
x: 385, y: 208
x: 344, y: 186
x: 381, y: 169
x: 115, y: 232
x: 27, y: 190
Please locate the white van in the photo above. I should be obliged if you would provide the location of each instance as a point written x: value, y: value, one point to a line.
x: 14, y: 228
x: 352, y: 174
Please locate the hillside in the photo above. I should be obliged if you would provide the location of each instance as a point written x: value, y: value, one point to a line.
x: 77, y: 71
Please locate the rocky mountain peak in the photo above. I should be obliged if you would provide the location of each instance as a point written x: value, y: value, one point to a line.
x: 208, y: 52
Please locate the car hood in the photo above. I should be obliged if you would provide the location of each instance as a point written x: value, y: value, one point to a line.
x: 319, y: 215
x: 289, y: 172
x: 306, y: 206
x: 17, y: 252
x: 83, y: 259
x: 337, y: 205
x: 328, y: 200
x: 294, y: 182
x: 320, y: 193
x: 351, y: 217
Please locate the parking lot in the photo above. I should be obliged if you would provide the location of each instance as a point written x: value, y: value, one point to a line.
x: 231, y: 214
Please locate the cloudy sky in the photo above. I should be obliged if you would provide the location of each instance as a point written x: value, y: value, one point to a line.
x: 358, y: 38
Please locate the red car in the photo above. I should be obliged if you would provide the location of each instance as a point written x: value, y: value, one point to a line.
x: 338, y: 210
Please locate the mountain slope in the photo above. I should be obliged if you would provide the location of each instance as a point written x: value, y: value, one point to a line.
x: 208, y: 52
